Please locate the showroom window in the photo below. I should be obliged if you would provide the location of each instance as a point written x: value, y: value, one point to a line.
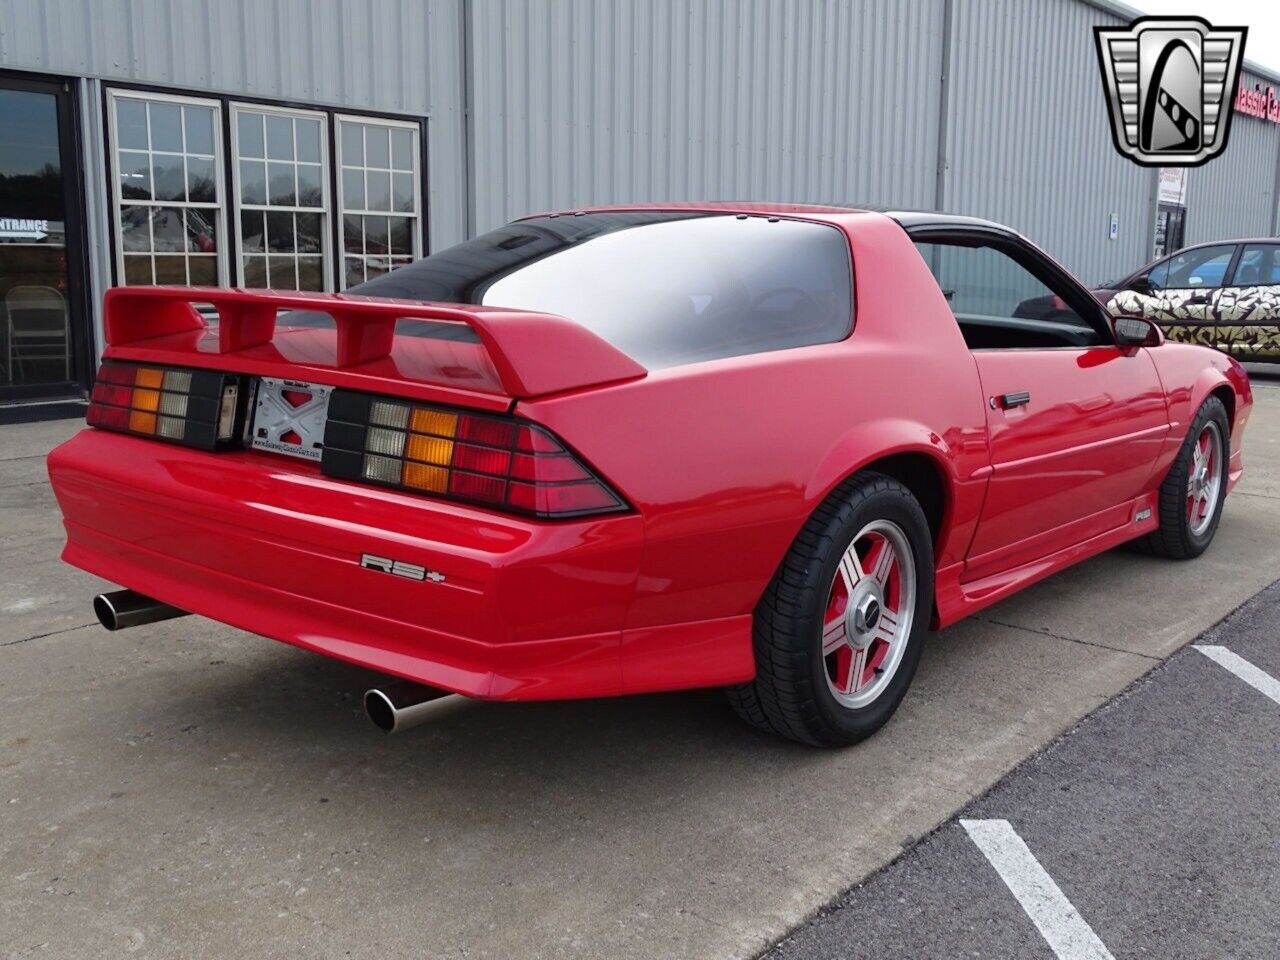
x: 230, y: 192
x: 281, y: 184
x: 169, y: 226
x: 378, y: 195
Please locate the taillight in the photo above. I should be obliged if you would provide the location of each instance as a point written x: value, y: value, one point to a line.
x: 197, y: 408
x: 494, y: 461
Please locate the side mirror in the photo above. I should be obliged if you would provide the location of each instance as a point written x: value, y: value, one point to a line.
x: 1142, y: 285
x: 1137, y: 332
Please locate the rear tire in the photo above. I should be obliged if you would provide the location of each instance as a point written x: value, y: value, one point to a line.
x: 839, y: 631
x: 1195, y: 488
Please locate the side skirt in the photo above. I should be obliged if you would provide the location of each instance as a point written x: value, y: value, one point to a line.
x: 956, y: 600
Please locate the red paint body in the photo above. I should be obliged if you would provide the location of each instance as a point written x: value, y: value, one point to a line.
x: 722, y: 462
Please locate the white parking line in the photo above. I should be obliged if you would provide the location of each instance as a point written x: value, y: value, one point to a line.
x: 1057, y: 920
x: 1262, y: 682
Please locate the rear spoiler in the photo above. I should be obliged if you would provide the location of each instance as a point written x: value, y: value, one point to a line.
x: 534, y: 353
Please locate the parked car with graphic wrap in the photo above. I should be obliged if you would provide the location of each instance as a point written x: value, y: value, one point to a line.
x: 1223, y: 294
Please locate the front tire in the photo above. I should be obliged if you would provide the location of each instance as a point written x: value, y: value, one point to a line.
x: 839, y: 631
x: 1195, y: 488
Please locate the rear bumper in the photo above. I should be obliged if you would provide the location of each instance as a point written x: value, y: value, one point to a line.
x: 526, y: 610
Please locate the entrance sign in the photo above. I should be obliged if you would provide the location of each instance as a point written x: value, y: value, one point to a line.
x: 13, y: 228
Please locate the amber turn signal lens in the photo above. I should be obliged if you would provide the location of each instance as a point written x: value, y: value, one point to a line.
x: 197, y: 408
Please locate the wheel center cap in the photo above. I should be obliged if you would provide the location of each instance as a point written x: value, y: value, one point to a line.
x: 866, y: 614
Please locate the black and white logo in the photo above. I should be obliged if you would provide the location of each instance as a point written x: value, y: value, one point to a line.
x: 1170, y: 84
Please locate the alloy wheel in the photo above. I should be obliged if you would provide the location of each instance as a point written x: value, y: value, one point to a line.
x: 867, y: 619
x: 1204, y: 479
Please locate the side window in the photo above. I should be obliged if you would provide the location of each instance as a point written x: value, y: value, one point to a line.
x: 1201, y: 268
x: 999, y: 303
x: 1259, y: 265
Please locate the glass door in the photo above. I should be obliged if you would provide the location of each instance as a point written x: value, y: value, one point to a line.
x: 44, y: 339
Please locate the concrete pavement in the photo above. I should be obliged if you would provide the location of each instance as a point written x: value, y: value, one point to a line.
x: 188, y: 790
x: 1158, y: 818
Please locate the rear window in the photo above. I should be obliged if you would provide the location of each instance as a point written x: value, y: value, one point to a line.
x: 664, y: 287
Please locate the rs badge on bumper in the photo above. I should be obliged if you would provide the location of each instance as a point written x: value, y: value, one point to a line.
x: 398, y: 568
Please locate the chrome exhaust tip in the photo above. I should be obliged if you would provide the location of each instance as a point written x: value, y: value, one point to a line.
x: 125, y: 608
x: 402, y: 704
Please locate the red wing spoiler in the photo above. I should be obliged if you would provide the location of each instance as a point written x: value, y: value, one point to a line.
x: 533, y: 353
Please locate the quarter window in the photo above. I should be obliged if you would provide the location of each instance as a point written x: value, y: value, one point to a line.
x: 168, y: 212
x: 281, y: 179
x: 379, y: 197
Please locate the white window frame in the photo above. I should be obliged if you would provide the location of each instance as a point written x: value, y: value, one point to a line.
x: 341, y: 211
x: 327, y: 159
x: 220, y: 205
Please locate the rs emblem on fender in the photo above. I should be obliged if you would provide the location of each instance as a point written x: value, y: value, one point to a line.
x: 398, y: 568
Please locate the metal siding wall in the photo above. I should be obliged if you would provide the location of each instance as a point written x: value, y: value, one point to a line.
x: 1030, y: 142
x: 392, y: 56
x: 1233, y: 195
x: 578, y: 102
x: 339, y: 52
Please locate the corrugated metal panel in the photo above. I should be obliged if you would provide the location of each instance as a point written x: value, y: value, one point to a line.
x: 579, y: 102
x: 359, y: 53
x: 391, y: 56
x: 1029, y: 135
x: 1234, y: 195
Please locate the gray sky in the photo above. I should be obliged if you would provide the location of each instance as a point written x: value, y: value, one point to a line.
x: 1260, y: 16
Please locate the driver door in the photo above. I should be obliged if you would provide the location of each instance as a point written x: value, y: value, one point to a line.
x: 1074, y: 422
x: 1180, y: 293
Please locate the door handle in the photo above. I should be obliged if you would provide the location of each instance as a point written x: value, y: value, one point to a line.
x: 1007, y: 401
x: 1198, y: 299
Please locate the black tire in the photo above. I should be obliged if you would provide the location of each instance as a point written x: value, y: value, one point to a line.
x: 790, y: 695
x: 1175, y: 537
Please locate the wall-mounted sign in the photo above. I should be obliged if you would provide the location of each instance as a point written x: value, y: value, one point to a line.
x: 1113, y: 229
x: 1173, y: 185
x: 1258, y: 101
x: 16, y: 228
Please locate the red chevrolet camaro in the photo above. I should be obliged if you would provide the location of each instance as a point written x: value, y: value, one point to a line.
x: 764, y: 447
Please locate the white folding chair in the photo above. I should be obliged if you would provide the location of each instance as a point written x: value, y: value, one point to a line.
x: 39, y: 328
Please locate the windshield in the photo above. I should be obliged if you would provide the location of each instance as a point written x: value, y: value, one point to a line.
x: 664, y: 287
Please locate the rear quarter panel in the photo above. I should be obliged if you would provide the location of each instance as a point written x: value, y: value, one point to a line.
x: 727, y: 459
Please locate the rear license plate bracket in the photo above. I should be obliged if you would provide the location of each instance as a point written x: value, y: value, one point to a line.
x: 289, y: 417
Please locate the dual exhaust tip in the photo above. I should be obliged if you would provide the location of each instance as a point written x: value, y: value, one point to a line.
x: 124, y: 608
x: 393, y: 707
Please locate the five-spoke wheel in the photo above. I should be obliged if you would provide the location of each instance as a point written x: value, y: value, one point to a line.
x: 869, y: 612
x: 1195, y: 487
x: 1204, y: 478
x: 839, y: 631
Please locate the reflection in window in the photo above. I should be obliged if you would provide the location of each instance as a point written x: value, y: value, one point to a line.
x: 167, y: 203
x: 35, y: 335
x: 1199, y: 267
x: 281, y: 178
x: 1259, y: 265
x: 378, y: 188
